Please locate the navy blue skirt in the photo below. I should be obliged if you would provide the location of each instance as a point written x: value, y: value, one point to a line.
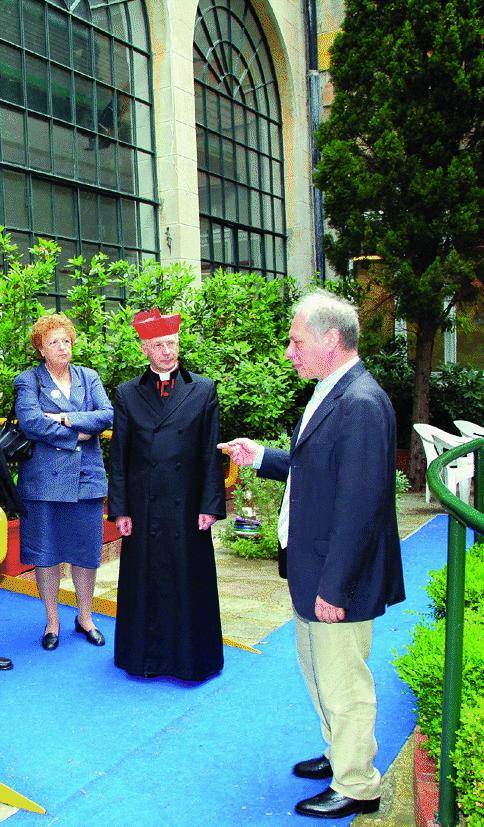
x: 54, y: 532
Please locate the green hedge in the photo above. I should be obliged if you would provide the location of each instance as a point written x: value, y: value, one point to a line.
x: 234, y: 330
x: 474, y: 584
x: 469, y: 763
x: 422, y: 667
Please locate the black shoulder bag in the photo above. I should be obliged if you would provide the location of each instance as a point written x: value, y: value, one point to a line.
x: 15, y: 445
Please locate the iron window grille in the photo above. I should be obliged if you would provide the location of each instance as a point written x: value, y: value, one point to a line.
x: 239, y: 142
x: 77, y: 145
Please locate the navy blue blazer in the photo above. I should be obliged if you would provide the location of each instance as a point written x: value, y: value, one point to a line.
x: 61, y: 468
x: 343, y: 539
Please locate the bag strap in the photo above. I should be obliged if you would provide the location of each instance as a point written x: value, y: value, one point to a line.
x: 11, y: 414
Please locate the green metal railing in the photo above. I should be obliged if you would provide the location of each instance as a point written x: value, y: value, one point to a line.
x: 461, y: 516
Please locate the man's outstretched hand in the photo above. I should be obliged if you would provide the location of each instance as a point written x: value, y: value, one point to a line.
x: 242, y: 451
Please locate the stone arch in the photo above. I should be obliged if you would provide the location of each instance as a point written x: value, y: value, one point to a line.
x: 172, y: 27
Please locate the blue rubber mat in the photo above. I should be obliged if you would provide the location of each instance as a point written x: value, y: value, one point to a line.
x: 96, y: 747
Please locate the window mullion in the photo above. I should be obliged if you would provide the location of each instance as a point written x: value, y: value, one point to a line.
x: 30, y: 202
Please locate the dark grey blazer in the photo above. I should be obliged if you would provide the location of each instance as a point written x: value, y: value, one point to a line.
x: 343, y: 540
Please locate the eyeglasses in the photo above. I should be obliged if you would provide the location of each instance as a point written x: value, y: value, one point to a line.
x: 162, y: 346
x: 58, y: 343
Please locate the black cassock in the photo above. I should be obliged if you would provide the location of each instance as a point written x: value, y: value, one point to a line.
x: 165, y: 471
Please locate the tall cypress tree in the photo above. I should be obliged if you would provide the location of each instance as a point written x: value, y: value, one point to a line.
x: 400, y: 158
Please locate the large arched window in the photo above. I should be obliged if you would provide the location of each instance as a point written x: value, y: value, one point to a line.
x: 239, y: 141
x: 76, y: 129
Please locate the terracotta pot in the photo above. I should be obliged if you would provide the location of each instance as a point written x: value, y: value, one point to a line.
x: 425, y: 786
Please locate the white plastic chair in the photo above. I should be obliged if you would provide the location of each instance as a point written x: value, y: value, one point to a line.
x: 458, y: 473
x: 469, y: 429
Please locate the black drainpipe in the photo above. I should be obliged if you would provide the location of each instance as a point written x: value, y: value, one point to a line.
x: 315, y: 113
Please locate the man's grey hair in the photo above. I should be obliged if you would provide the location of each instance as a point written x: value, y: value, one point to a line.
x: 323, y: 310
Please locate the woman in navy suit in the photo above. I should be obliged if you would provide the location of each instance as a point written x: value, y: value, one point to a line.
x: 63, y: 408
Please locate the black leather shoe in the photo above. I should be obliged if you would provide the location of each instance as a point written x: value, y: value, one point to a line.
x: 313, y: 768
x: 94, y: 636
x: 50, y: 641
x: 331, y: 804
x: 5, y: 663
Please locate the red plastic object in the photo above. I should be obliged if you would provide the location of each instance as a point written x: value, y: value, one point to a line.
x: 12, y: 565
x: 110, y: 532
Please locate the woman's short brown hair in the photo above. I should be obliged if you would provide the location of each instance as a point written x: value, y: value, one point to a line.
x: 45, y: 324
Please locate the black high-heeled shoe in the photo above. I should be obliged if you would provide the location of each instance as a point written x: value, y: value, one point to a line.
x: 50, y: 640
x: 93, y: 635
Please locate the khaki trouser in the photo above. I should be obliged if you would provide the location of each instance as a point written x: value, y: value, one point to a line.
x: 333, y: 658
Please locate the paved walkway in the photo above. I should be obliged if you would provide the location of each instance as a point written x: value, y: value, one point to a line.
x: 254, y: 602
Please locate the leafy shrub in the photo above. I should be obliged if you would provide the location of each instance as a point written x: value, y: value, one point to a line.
x: 20, y: 307
x: 474, y: 583
x: 157, y: 285
x: 263, y: 497
x: 7, y: 374
x: 456, y: 392
x: 468, y: 760
x: 106, y: 339
x: 235, y: 331
x: 402, y: 484
x: 422, y: 667
x: 393, y: 371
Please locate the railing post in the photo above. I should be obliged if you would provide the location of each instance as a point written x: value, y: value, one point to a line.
x: 454, y: 633
x: 479, y: 489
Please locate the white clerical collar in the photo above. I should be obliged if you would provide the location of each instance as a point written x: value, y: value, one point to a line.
x: 164, y: 377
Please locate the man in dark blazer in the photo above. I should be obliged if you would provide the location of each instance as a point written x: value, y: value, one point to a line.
x: 166, y: 489
x: 338, y: 525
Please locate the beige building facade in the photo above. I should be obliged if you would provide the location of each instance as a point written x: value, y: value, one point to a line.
x: 172, y: 25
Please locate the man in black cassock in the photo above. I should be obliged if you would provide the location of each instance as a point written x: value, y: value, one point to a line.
x: 166, y: 489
